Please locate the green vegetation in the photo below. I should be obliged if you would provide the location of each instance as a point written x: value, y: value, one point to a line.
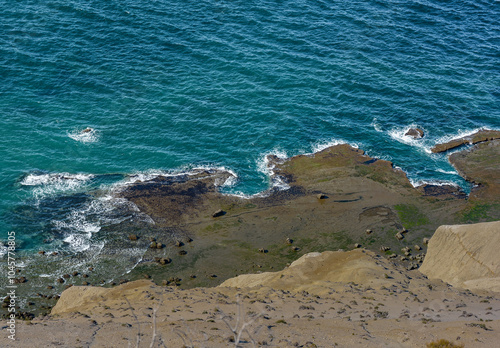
x: 410, y: 216
x: 480, y: 212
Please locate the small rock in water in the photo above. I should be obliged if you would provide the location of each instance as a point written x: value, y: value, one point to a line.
x: 415, y: 133
x: 87, y: 130
x: 41, y: 252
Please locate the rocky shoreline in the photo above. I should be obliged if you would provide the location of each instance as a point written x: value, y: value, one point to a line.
x: 338, y: 198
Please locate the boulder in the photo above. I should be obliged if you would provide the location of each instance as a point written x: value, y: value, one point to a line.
x: 218, y: 213
x: 415, y: 133
x: 465, y: 256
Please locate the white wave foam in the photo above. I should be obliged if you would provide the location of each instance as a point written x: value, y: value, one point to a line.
x: 451, y: 172
x: 56, y: 179
x: 48, y: 184
x: 460, y: 134
x: 77, y: 242
x: 417, y: 183
x: 376, y: 126
x: 398, y: 134
x: 88, y: 135
x: 321, y: 145
x: 3, y: 250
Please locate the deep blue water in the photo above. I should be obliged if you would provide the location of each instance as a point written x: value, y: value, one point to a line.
x: 172, y: 85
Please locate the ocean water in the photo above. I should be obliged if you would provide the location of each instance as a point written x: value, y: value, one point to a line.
x: 168, y: 86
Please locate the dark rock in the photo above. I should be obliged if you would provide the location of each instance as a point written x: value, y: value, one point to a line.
x: 60, y: 280
x: 478, y: 137
x: 182, y: 252
x: 91, y: 269
x: 415, y: 133
x: 66, y: 276
x: 75, y: 273
x: 41, y: 252
x: 218, y: 213
x: 85, y: 276
x: 87, y: 130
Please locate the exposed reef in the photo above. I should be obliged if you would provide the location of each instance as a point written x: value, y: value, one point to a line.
x: 478, y: 137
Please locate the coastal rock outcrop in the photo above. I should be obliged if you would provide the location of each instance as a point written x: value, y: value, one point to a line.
x: 318, y: 273
x: 478, y: 137
x: 465, y: 256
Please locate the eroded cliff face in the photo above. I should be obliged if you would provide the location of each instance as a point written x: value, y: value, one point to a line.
x: 465, y: 256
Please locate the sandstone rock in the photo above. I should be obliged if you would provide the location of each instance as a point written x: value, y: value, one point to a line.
x: 384, y: 248
x: 322, y: 196
x: 415, y: 133
x: 425, y: 241
x: 465, y: 256
x: 399, y: 236
x: 357, y: 245
x: 289, y: 241
x: 368, y: 231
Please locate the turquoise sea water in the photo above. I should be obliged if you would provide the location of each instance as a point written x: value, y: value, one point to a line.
x: 173, y: 85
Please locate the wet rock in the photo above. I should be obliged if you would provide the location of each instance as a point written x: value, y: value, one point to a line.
x: 415, y: 133
x: 480, y: 136
x: 54, y: 253
x: 152, y: 245
x: 218, y: 213
x: 133, y: 237
x: 85, y: 276
x: 60, y: 280
x: 87, y: 130
x: 41, y: 252
x: 66, y: 276
x: 75, y: 273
